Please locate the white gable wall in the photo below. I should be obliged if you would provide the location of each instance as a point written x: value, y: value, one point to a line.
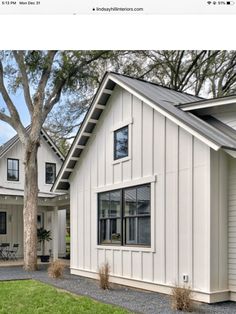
x: 45, y: 154
x: 178, y: 167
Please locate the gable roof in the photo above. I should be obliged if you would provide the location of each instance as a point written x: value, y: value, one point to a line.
x: 15, y: 139
x: 162, y: 99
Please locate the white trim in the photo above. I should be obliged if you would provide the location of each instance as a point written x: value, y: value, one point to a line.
x: 80, y: 134
x: 202, y: 296
x: 128, y: 248
x: 86, y: 134
x: 74, y: 158
x: 209, y: 103
x: 126, y: 184
x: 107, y: 91
x: 80, y: 146
x: 102, y: 107
x: 122, y: 124
x: 152, y: 249
x: 120, y: 160
x: 167, y: 115
x: 93, y: 121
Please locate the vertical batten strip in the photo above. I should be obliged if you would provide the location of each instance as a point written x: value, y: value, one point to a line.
x: 177, y: 214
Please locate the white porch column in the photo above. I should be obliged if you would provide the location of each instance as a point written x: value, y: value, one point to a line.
x: 55, y: 234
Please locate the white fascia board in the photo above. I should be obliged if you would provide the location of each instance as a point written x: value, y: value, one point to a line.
x: 167, y: 115
x: 80, y: 133
x: 208, y: 104
x: 52, y: 143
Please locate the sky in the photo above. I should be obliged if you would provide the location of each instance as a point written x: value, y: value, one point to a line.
x: 6, y: 131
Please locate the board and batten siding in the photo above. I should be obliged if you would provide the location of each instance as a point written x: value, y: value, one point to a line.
x: 45, y: 154
x: 232, y: 226
x: 178, y: 167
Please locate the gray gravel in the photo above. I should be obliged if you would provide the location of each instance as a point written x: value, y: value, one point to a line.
x: 135, y: 300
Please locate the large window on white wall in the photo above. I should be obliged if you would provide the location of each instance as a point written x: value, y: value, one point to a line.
x: 124, y: 216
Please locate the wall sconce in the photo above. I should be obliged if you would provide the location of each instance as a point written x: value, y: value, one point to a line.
x: 10, y: 218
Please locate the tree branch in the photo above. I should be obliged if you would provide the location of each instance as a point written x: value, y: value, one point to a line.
x: 15, y: 121
x: 46, y: 73
x: 19, y: 57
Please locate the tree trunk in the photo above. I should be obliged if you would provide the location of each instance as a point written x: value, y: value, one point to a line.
x: 30, y: 207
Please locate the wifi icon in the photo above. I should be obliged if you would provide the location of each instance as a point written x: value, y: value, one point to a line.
x: 209, y: 2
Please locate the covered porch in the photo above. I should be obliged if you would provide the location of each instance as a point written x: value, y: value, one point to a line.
x: 51, y: 216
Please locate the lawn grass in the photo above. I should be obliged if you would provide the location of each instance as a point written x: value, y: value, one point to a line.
x: 30, y: 296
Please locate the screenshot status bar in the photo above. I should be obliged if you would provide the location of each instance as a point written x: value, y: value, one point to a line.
x: 78, y: 7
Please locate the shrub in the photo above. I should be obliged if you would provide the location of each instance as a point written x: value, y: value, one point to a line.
x: 56, y: 269
x: 104, y: 272
x: 181, y: 299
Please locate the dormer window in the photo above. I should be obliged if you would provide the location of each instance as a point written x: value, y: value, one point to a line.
x: 50, y: 172
x: 121, y: 149
x: 12, y: 169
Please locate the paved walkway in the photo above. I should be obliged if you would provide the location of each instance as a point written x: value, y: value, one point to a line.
x: 135, y: 300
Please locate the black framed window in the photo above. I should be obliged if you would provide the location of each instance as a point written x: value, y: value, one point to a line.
x: 50, y: 172
x: 3, y: 223
x: 109, y: 204
x: 124, y: 216
x: 121, y: 139
x: 12, y: 169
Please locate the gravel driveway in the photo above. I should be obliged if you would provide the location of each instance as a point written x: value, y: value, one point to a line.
x: 135, y: 300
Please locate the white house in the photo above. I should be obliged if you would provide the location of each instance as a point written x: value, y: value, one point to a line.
x: 152, y: 180
x: 51, y: 211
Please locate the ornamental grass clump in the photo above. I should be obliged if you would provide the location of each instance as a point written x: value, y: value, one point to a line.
x: 104, y: 274
x: 56, y: 269
x: 181, y: 299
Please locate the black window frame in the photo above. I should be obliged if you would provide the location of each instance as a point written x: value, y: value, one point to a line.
x: 4, y: 230
x: 123, y: 218
x: 18, y: 170
x: 55, y: 173
x: 115, y: 143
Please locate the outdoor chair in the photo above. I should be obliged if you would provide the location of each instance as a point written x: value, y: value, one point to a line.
x: 12, y: 252
x: 4, y: 248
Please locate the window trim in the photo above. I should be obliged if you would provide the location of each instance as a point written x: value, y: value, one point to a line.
x: 5, y: 214
x: 122, y: 217
x: 50, y: 163
x: 18, y: 170
x: 115, y: 143
x: 116, y: 127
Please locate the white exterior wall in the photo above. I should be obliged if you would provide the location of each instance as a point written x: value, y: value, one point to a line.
x: 219, y: 221
x: 15, y: 212
x: 232, y: 226
x: 180, y: 200
x: 15, y: 225
x: 228, y: 118
x: 45, y: 154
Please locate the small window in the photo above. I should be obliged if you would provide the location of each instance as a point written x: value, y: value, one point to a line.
x: 121, y: 143
x: 12, y: 169
x: 3, y: 223
x: 124, y: 216
x: 50, y: 174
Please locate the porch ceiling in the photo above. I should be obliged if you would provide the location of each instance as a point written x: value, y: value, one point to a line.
x: 44, y: 199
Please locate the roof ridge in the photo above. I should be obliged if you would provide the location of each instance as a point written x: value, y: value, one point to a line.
x: 156, y: 84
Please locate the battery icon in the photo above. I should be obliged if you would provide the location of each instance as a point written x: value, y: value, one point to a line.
x: 230, y: 2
